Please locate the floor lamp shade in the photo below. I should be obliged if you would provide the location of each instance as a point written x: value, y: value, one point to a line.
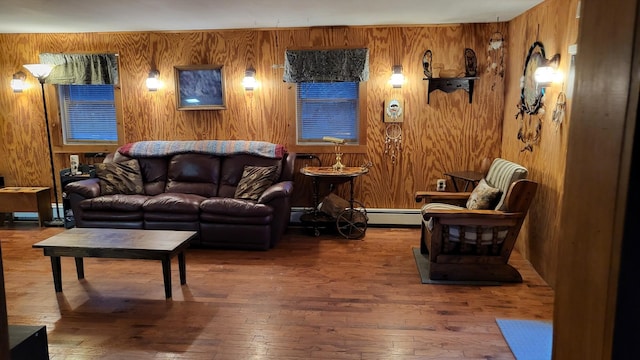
x: 41, y: 71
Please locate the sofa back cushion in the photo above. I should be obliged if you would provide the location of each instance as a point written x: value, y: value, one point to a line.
x: 153, y: 170
x: 193, y: 174
x: 154, y: 175
x: 233, y: 168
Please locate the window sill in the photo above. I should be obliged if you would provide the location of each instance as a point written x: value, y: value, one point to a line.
x: 327, y: 149
x: 86, y: 148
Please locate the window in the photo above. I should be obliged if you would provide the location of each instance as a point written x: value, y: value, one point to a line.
x: 88, y: 114
x: 328, y: 109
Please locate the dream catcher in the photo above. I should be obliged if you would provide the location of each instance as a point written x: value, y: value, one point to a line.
x: 531, y: 106
x: 495, y: 57
x: 393, y: 117
x: 559, y: 110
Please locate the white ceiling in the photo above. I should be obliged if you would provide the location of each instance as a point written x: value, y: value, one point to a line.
x: 49, y: 16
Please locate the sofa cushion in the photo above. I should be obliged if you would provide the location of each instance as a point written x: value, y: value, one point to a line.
x: 235, y: 211
x: 233, y: 167
x: 255, y: 180
x: 193, y: 174
x: 120, y: 178
x: 174, y: 203
x: 483, y: 197
x: 115, y: 203
x: 154, y: 174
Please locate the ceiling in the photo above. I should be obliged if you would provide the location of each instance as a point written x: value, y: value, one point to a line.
x: 71, y: 16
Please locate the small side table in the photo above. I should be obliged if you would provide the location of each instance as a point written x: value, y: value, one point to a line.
x: 16, y: 199
x: 469, y: 178
x: 352, y: 222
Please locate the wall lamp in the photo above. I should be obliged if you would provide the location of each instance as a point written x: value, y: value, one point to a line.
x: 18, y: 82
x: 397, y: 79
x: 153, y: 81
x: 548, y: 74
x: 249, y: 82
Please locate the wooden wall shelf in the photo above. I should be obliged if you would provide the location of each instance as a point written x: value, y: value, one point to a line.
x: 449, y: 85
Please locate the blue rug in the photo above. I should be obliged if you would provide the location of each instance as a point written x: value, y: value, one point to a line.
x: 528, y: 339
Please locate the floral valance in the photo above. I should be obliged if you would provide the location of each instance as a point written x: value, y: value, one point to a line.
x: 82, y: 69
x: 326, y: 65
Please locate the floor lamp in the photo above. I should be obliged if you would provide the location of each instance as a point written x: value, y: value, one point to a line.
x: 41, y: 71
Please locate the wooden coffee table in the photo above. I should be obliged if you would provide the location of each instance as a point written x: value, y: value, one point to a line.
x: 118, y: 243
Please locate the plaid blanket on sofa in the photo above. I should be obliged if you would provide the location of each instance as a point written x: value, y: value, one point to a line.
x: 214, y: 147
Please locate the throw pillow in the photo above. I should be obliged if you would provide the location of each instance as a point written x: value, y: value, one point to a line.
x: 255, y: 180
x: 483, y: 197
x: 120, y: 178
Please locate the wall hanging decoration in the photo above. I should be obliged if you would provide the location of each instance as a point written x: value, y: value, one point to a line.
x: 559, y: 110
x: 470, y: 63
x: 393, y: 117
x: 495, y: 58
x: 451, y: 79
x: 199, y: 87
x: 530, y: 108
x: 427, y: 64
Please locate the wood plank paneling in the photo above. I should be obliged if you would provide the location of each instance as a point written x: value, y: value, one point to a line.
x: 448, y: 134
x: 554, y: 24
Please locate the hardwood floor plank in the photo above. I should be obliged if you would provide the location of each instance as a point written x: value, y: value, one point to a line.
x: 309, y: 298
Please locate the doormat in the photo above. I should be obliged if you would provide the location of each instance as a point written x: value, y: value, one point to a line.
x: 528, y: 339
x: 423, y: 268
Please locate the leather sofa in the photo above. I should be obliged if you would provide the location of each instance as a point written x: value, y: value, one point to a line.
x: 192, y: 185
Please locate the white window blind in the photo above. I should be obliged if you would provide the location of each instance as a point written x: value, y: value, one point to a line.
x: 327, y: 109
x: 88, y: 114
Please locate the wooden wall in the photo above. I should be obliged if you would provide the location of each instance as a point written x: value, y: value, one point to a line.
x: 448, y: 134
x: 554, y: 24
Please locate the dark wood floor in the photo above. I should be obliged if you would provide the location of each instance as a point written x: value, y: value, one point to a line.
x: 309, y: 298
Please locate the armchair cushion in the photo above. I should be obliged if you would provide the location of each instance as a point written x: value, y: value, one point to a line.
x: 483, y: 197
x: 436, y: 206
x: 501, y: 175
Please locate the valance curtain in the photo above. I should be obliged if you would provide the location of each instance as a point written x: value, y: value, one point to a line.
x: 326, y: 65
x: 82, y: 69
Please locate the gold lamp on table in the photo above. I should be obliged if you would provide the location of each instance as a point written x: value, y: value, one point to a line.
x: 338, y: 166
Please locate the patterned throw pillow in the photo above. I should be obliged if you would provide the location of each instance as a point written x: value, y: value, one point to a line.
x: 255, y: 180
x: 120, y: 178
x: 483, y: 197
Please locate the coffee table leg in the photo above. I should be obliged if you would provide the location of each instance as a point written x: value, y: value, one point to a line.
x: 166, y: 273
x: 80, y: 268
x: 57, y: 273
x: 183, y: 268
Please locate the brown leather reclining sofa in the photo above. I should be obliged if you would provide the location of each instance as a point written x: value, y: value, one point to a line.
x: 192, y: 185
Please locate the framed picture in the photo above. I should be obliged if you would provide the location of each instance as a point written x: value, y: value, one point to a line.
x: 199, y: 87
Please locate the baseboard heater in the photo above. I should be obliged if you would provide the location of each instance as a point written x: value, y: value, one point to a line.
x: 377, y: 216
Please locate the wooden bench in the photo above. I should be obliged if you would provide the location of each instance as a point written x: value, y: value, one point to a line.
x: 23, y: 199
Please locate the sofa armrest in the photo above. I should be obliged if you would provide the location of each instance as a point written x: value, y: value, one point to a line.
x: 89, y: 188
x: 277, y: 190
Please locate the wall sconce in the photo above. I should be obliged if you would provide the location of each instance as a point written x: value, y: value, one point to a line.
x: 249, y: 82
x: 548, y: 74
x: 397, y: 79
x: 18, y: 82
x: 153, y: 81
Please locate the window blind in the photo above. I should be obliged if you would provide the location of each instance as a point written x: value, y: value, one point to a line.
x: 89, y: 113
x: 327, y: 109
